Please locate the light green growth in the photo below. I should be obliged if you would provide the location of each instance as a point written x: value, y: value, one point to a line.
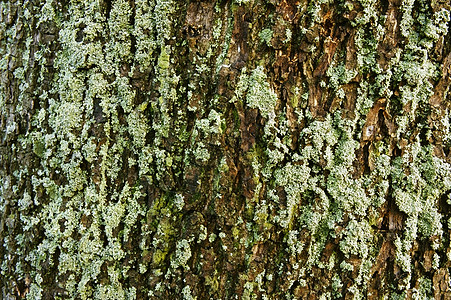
x: 179, y: 202
x: 145, y: 45
x: 162, y: 21
x: 438, y: 26
x: 436, y: 261
x: 402, y: 254
x: 186, y: 292
x: 241, y: 86
x: 64, y: 145
x: 266, y: 36
x: 203, y: 234
x: 288, y: 35
x: 295, y: 246
x: 256, y: 285
x: 356, y: 239
x: 119, y: 21
x: 201, y: 153
x: 163, y: 59
x: 314, y: 9
x: 212, y: 237
x: 346, y: 266
x: 425, y: 289
x: 407, y: 19
x: 339, y: 75
x: 321, y: 135
x: 138, y: 129
x: 259, y: 93
x: 108, y: 156
x: 336, y: 285
x: 35, y: 292
x: 182, y: 255
x: 217, y: 29
x: 208, y: 127
x: 367, y: 44
x: 295, y: 181
x: 368, y: 14
x: 221, y: 59
x: 239, y: 2
x: 206, y: 131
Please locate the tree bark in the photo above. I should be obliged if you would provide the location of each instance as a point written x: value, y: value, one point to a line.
x: 233, y: 149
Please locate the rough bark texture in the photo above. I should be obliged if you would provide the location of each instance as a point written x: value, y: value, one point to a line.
x: 248, y: 149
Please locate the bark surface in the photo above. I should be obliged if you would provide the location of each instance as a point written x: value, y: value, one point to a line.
x: 230, y: 149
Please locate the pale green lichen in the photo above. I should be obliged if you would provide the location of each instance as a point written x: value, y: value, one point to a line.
x: 266, y: 36
x: 186, y: 292
x: 239, y: 2
x: 311, y: 189
x: 35, y: 292
x: 212, y: 237
x: 163, y: 59
x: 356, y: 239
x: 407, y: 19
x: 438, y: 26
x: 182, y: 255
x: 179, y: 202
x: 339, y: 74
x: 203, y: 234
x: 295, y: 181
x: 145, y: 45
x: 259, y: 93
x: 289, y: 35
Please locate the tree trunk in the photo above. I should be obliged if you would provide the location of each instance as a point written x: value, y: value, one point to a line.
x: 230, y: 149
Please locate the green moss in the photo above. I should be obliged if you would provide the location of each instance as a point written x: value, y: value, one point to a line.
x: 163, y: 59
x: 39, y: 148
x: 158, y: 257
x: 212, y: 282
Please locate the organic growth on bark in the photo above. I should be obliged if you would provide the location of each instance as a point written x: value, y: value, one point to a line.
x: 252, y: 149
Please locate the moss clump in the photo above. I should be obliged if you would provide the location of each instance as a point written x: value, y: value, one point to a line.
x: 163, y: 59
